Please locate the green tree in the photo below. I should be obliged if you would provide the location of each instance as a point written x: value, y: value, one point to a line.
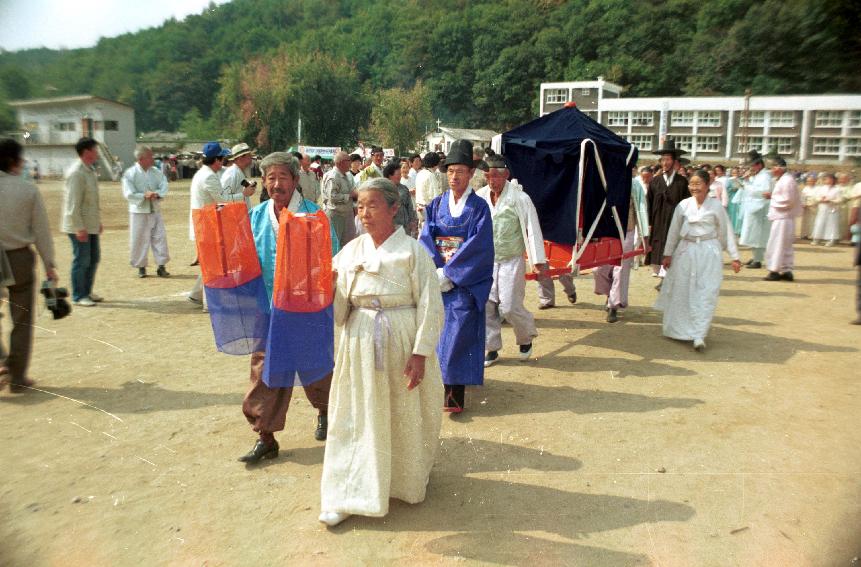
x: 196, y: 127
x: 399, y: 117
x: 262, y: 100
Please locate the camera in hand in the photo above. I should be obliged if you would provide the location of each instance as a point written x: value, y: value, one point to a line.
x: 55, y: 299
x: 246, y: 183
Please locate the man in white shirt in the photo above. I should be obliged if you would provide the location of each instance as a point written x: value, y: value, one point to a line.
x: 308, y: 182
x: 233, y: 179
x: 206, y: 189
x: 355, y: 169
x: 144, y: 186
x: 337, y: 199
x: 427, y: 184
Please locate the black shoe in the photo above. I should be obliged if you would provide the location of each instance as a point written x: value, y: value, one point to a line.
x: 856, y: 321
x: 755, y: 265
x: 162, y: 272
x: 543, y: 307
x: 612, y: 316
x: 787, y: 276
x: 195, y: 263
x: 141, y: 272
x: 322, y: 427
x: 260, y: 451
x: 749, y: 263
x: 772, y: 277
x: 525, y: 351
x: 572, y: 298
x: 491, y: 357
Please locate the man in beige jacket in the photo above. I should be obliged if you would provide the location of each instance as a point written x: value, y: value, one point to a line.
x: 82, y: 221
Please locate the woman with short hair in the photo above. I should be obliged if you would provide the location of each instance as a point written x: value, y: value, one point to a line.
x: 384, y: 417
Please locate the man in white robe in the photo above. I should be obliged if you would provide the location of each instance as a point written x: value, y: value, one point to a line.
x: 144, y: 186
x: 784, y: 207
x: 755, y: 225
x: 515, y: 230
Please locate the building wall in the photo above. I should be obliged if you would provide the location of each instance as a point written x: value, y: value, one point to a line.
x: 64, y: 123
x: 53, y: 160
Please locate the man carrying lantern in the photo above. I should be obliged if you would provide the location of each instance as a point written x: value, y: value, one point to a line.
x: 288, y: 360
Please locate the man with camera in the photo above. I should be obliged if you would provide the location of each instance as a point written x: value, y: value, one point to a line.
x: 236, y: 186
x: 144, y: 186
x: 23, y: 223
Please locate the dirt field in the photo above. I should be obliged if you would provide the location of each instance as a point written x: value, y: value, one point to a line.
x: 614, y: 447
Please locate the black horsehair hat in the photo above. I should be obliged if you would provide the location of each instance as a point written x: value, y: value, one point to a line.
x: 670, y: 148
x: 460, y: 153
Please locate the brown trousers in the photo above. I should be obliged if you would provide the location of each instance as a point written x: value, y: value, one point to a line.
x: 266, y: 408
x: 21, y: 296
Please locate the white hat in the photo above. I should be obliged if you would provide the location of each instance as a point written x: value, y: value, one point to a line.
x: 240, y: 150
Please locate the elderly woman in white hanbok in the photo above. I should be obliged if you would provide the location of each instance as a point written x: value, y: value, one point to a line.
x: 827, y: 224
x: 384, y: 416
x: 699, y: 232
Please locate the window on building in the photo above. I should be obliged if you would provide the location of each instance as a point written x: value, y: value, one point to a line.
x: 617, y: 119
x: 642, y: 118
x: 708, y: 143
x: 709, y: 119
x: 65, y: 126
x: 585, y: 92
x: 853, y: 146
x: 829, y: 146
x: 855, y: 119
x: 783, y: 145
x: 642, y: 141
x: 681, y: 118
x: 755, y: 119
x: 685, y: 142
x: 781, y: 119
x: 556, y: 96
x: 829, y: 119
x: 112, y: 125
x: 753, y: 143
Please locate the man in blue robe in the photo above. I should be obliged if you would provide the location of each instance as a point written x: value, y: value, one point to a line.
x: 458, y: 234
x: 265, y: 405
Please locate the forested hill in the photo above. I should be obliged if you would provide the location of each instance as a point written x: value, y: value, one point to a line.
x: 479, y: 62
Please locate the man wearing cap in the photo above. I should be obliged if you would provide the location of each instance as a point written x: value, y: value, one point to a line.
x: 338, y: 199
x: 784, y: 206
x: 515, y: 231
x: 666, y: 191
x: 233, y: 180
x: 458, y: 234
x: 206, y: 189
x: 376, y: 168
x: 144, y: 187
x: 755, y: 226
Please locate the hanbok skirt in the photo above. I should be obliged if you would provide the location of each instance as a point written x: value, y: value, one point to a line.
x: 827, y: 224
x: 382, y: 438
x: 690, y: 291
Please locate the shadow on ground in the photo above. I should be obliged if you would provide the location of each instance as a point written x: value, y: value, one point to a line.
x: 469, y: 506
x: 132, y: 397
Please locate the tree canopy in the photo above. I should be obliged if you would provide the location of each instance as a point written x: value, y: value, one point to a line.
x: 480, y: 61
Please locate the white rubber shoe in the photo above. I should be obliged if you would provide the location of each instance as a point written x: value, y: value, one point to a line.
x: 332, y: 519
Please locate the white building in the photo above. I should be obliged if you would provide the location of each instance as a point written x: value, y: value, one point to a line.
x: 52, y: 126
x: 441, y: 139
x: 801, y: 128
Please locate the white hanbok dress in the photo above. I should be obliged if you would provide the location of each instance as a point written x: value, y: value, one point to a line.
x: 689, y: 294
x: 382, y: 438
x: 827, y: 223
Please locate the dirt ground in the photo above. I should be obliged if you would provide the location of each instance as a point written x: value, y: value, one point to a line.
x: 613, y: 447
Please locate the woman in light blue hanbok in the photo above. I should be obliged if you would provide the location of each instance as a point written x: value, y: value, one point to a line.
x: 734, y: 198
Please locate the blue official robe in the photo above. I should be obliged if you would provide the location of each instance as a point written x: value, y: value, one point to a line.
x: 300, y: 347
x: 463, y: 247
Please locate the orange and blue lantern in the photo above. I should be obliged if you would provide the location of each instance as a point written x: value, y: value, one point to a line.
x: 301, y: 327
x: 235, y: 292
